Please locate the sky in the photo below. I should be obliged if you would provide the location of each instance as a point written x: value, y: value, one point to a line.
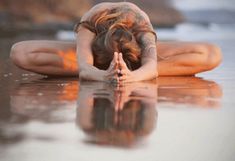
x: 204, y: 4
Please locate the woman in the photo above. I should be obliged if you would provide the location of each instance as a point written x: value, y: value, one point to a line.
x: 115, y: 42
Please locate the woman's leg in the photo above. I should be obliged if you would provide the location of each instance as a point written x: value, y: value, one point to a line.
x: 46, y: 57
x: 186, y: 58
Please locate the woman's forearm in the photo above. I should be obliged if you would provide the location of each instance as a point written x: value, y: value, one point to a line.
x: 145, y: 72
x: 89, y: 72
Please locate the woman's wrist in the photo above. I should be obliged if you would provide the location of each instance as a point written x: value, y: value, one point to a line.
x: 102, y: 75
x: 141, y: 75
x: 135, y: 75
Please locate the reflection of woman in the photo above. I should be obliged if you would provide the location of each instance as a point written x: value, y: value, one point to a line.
x: 98, y: 116
x: 45, y: 100
x: 115, y: 41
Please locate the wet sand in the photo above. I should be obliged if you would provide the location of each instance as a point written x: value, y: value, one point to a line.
x: 171, y: 118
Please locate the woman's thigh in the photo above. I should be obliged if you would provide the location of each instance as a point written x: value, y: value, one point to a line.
x: 168, y: 49
x: 187, y: 58
x: 44, y: 45
x: 46, y: 56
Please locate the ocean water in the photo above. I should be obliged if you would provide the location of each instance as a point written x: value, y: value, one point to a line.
x: 204, y: 4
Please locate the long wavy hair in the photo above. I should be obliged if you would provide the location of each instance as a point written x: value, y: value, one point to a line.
x: 115, y: 33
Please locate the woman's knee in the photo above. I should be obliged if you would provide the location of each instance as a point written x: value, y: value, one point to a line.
x: 214, y: 56
x: 20, y: 54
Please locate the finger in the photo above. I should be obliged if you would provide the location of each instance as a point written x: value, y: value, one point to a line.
x: 114, y: 62
x: 112, y: 65
x: 123, y: 72
x: 122, y: 78
x: 114, y: 80
x: 121, y: 61
x: 115, y: 72
x: 119, y: 73
x: 115, y: 58
x: 120, y: 57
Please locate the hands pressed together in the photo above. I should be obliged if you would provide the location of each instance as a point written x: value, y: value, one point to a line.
x: 118, y: 71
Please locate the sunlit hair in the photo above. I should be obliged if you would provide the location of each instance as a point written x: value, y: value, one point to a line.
x: 114, y: 33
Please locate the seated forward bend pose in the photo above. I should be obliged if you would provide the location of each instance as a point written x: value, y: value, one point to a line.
x: 115, y: 42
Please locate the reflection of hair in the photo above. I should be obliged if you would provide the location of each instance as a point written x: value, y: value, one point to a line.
x: 104, y: 107
x: 114, y: 34
x: 119, y: 128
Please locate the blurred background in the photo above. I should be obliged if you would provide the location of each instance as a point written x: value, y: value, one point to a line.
x: 62, y: 14
x: 47, y: 17
x: 181, y: 20
x: 50, y: 15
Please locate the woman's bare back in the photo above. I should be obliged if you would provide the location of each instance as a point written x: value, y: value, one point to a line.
x: 123, y: 6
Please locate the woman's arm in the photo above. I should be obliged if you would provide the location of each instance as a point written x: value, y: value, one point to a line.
x: 147, y: 40
x: 148, y: 69
x: 87, y: 71
x: 85, y: 58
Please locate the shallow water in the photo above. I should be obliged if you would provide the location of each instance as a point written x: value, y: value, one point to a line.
x: 55, y: 119
x: 172, y: 118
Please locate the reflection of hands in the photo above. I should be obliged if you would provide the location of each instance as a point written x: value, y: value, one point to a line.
x: 118, y: 95
x: 121, y: 96
x: 138, y: 90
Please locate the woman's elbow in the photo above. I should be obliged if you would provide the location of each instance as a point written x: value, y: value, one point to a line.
x: 82, y: 73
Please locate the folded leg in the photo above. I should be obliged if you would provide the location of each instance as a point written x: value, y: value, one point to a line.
x: 186, y: 58
x: 46, y: 57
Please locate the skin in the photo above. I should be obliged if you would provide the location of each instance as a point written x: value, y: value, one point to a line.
x: 75, y: 58
x: 85, y: 59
